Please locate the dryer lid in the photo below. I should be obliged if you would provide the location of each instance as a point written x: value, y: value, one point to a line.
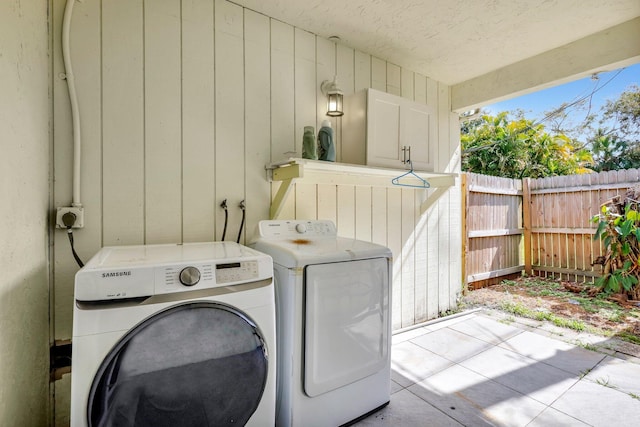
x: 298, y: 252
x: 296, y: 243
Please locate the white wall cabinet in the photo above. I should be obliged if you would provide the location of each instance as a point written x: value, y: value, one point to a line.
x: 381, y: 129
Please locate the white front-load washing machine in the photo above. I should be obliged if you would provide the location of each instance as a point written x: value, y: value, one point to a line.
x: 333, y: 323
x: 174, y: 335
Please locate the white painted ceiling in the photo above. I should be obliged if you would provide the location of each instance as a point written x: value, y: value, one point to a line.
x: 451, y: 40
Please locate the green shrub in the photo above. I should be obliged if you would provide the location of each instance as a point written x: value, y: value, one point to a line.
x: 619, y: 231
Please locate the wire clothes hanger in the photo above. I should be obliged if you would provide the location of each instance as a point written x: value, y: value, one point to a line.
x: 422, y: 183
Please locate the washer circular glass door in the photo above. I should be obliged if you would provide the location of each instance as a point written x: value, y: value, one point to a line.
x: 195, y: 364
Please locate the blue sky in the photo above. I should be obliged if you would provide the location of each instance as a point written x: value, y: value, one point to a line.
x: 535, y: 104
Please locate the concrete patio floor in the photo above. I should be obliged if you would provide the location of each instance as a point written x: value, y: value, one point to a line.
x: 488, y: 369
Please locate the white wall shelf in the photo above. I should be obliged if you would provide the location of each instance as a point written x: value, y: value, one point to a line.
x: 320, y: 172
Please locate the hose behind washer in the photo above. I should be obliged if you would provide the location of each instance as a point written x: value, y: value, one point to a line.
x: 242, y: 222
x: 223, y: 205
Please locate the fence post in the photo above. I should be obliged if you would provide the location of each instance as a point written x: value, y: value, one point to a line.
x: 465, y: 238
x: 526, y: 220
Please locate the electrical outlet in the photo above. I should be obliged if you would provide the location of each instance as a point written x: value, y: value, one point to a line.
x: 78, y: 212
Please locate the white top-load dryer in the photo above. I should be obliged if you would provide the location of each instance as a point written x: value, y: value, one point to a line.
x: 333, y: 323
x: 174, y: 335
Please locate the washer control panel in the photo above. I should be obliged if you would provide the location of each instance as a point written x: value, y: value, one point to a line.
x: 125, y: 272
x: 236, y: 271
x: 296, y: 228
x: 180, y: 276
x: 206, y: 275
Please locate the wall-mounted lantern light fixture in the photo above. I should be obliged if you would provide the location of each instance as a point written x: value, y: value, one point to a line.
x: 334, y: 97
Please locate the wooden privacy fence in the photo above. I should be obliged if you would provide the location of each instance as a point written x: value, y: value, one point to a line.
x: 493, y: 232
x: 541, y: 226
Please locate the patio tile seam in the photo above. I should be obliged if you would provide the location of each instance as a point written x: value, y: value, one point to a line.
x: 493, y: 343
x: 574, y: 378
x: 562, y: 412
x: 613, y: 386
x: 455, y: 361
x: 484, y: 410
x: 551, y: 331
x: 544, y: 362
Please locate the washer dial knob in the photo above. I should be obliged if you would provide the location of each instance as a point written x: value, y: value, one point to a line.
x: 189, y: 276
x: 301, y: 228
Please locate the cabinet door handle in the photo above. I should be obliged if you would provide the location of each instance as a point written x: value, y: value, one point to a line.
x: 406, y: 154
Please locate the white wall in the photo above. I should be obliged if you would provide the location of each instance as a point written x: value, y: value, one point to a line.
x: 24, y: 195
x: 183, y: 104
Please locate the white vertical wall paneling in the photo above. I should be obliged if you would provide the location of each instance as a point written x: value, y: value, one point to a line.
x: 345, y: 72
x: 266, y: 85
x: 420, y: 267
x: 393, y: 79
x: 408, y: 256
x: 62, y: 132
x: 282, y: 91
x: 378, y: 74
x: 433, y: 261
x: 345, y: 68
x: 327, y: 204
x: 257, y: 93
x: 283, y: 102
x: 198, y: 122
x: 306, y: 201
x: 346, y: 210
x: 394, y: 242
x: 420, y: 89
x: 86, y: 72
x: 431, y: 216
x: 407, y: 84
x: 455, y: 275
x: 64, y: 267
x: 305, y: 85
x: 87, y: 240
x: 379, y: 215
x: 419, y: 226
x: 229, y: 105
x: 363, y: 213
x: 362, y: 71
x: 432, y: 101
x: 443, y: 205
x: 379, y: 236
x: 325, y: 70
x: 123, y: 122
x: 163, y: 106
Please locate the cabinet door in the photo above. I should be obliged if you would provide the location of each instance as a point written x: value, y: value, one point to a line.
x: 383, y: 130
x: 394, y: 123
x: 414, y: 133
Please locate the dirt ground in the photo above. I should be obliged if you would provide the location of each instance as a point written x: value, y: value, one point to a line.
x: 551, y: 300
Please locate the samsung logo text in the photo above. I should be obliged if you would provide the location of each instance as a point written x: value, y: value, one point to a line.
x: 116, y: 274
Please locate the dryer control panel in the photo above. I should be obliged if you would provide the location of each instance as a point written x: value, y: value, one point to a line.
x: 297, y: 228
